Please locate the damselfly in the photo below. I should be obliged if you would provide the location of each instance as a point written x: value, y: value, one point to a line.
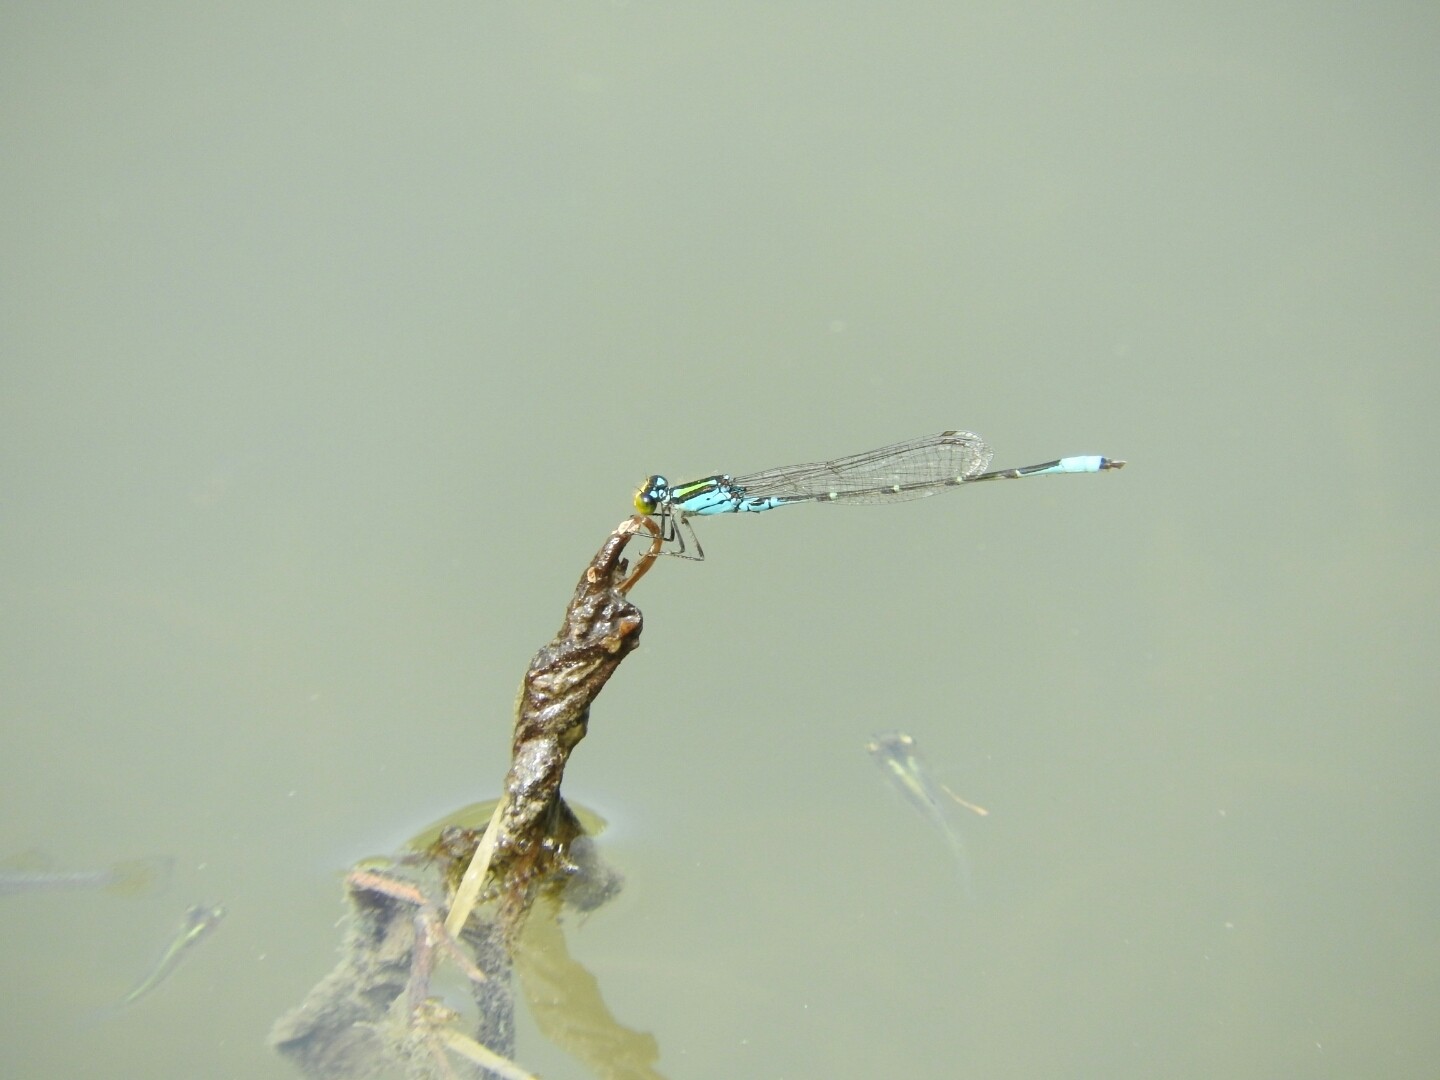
x: 909, y: 470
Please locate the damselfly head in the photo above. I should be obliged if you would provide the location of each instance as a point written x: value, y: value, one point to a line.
x: 652, y: 494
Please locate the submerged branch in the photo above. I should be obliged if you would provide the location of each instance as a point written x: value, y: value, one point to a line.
x: 533, y: 828
x: 373, y: 1016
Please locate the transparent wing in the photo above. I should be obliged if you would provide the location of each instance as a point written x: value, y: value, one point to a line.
x: 918, y: 467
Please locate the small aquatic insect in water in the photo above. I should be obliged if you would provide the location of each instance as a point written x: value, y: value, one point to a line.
x: 897, y: 754
x: 134, y: 876
x: 197, y: 924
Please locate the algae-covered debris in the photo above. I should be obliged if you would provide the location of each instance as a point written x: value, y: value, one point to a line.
x: 367, y: 1019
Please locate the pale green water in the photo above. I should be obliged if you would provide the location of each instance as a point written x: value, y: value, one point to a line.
x: 336, y: 338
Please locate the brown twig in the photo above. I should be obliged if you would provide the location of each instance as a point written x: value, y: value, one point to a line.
x: 532, y: 828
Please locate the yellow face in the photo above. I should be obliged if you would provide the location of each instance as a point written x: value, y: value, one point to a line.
x: 651, y: 494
